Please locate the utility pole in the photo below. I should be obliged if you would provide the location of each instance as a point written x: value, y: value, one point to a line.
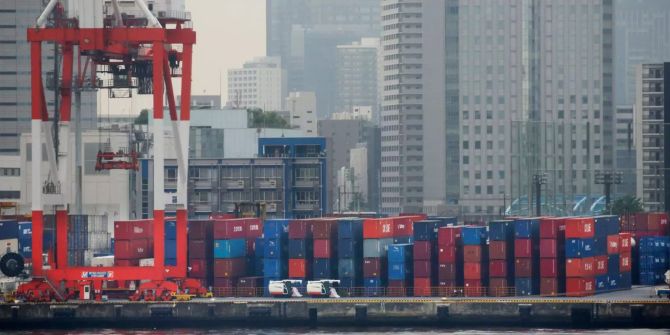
x: 607, y: 178
x: 539, y: 179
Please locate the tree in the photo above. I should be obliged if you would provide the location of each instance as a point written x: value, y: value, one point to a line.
x: 143, y: 118
x: 627, y: 205
x: 260, y: 119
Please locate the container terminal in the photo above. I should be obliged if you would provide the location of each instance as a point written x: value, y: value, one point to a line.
x: 239, y: 267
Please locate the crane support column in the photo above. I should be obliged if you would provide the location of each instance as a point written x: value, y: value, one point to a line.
x: 64, y: 162
x: 159, y: 158
x: 36, y: 148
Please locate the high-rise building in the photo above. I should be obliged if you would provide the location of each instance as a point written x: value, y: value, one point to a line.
x: 641, y: 33
x: 505, y: 91
x: 625, y: 150
x: 260, y: 83
x: 356, y: 75
x: 652, y: 116
x: 306, y: 33
x: 302, y: 112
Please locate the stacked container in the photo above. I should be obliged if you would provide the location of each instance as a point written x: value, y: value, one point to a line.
x: 501, y: 257
x: 133, y: 240
x: 425, y: 256
x: 25, y: 238
x: 230, y: 254
x: 580, y: 263
x: 170, y: 245
x: 377, y: 236
x: 254, y: 231
x: 300, y: 249
x: 653, y: 260
x: 403, y: 229
x: 200, y: 252
x: 646, y: 224
x: 624, y: 260
x: 450, y: 259
x: 324, y: 232
x: 605, y: 243
x: 399, y: 269
x: 552, y: 256
x: 350, y: 252
x: 475, y: 261
x: 87, y: 235
x: 275, y: 253
x: 527, y: 256
x: 9, y: 236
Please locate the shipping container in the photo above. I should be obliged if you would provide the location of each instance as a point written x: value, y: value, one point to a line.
x: 422, y: 287
x: 230, y: 268
x: 349, y: 268
x: 399, y: 271
x: 133, y: 249
x: 579, y: 287
x: 274, y: 268
x: 324, y: 249
x: 274, y: 248
x: 471, y: 235
x: 324, y: 229
x: 230, y: 248
x: 579, y: 227
x: 350, y: 228
x: 552, y: 228
x: 380, y: 228
x: 349, y: 248
x: 523, y: 248
x: 423, y: 250
x: 324, y: 268
x: 230, y: 229
x: 134, y: 229
x: 9, y: 229
x: 300, y: 229
x: 426, y: 230
x: 299, y: 268
x: 400, y: 253
x: 275, y: 229
x: 374, y: 267
x: 200, y: 230
x: 526, y: 228
x: 300, y: 248
x: 472, y: 253
x: 404, y: 226
x: 450, y: 235
x: 552, y: 286
x: 501, y: 230
x: 579, y: 267
x: 254, y: 228
x: 198, y: 268
x: 376, y: 247
x: 579, y: 247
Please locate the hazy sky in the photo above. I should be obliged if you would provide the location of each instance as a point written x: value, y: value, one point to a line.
x: 229, y: 33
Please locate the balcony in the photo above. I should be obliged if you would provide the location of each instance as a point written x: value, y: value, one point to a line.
x: 307, y: 182
x: 268, y: 183
x: 233, y: 184
x: 307, y: 205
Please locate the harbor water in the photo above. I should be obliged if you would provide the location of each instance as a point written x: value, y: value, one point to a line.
x: 345, y: 330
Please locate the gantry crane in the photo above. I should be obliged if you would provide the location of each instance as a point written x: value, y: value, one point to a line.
x: 153, y: 55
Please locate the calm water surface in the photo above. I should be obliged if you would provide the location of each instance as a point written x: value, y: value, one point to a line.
x: 324, y: 331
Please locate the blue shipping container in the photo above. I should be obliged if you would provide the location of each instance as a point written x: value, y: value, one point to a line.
x: 400, y: 253
x: 9, y: 229
x: 625, y: 280
x: 400, y: 271
x: 273, y: 248
x: 502, y: 230
x: 324, y: 268
x: 373, y: 287
x: 426, y: 230
x: 171, y: 230
x: 298, y: 248
x: 348, y: 282
x: 525, y: 286
x: 526, y: 228
x: 350, y: 228
x: 579, y: 247
x: 259, y: 247
x: 230, y: 248
x: 275, y: 228
x: 403, y: 240
x: 471, y: 235
x: 613, y: 265
x: 170, y: 261
x: 348, y: 267
x: 602, y: 283
x: 612, y: 282
x: 600, y: 246
x: 274, y: 268
x: 170, y: 249
x: 348, y: 248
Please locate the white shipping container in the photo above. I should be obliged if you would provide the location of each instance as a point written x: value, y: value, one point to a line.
x: 98, y: 224
x: 10, y: 245
x: 98, y: 241
x: 105, y: 261
x: 147, y: 262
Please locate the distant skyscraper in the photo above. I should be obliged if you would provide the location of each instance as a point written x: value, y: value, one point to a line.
x: 625, y: 150
x: 356, y: 75
x: 260, y: 83
x: 305, y: 33
x: 641, y: 33
x: 652, y: 116
x: 302, y: 112
x: 481, y: 95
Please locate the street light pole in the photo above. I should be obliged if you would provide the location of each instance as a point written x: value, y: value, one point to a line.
x: 539, y: 179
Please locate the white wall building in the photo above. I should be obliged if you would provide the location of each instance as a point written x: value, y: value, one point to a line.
x: 259, y: 83
x: 358, y: 162
x: 302, y: 112
x: 356, y: 113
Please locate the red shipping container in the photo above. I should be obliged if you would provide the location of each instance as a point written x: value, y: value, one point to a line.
x: 498, y: 268
x: 548, y: 248
x: 472, y: 271
x: 625, y: 262
x: 446, y: 283
x: 422, y: 269
x: 446, y: 271
x: 472, y: 253
x: 552, y: 227
x: 324, y: 229
x: 600, y: 265
x: 579, y: 267
x: 323, y: 249
x: 297, y: 268
x: 474, y: 288
x: 378, y: 228
x: 228, y: 283
x: 523, y: 267
x: 579, y: 227
x: 403, y: 226
x: 423, y: 250
x: 230, y: 267
x: 613, y: 244
x: 221, y: 216
x: 126, y: 262
x: 523, y: 248
x: 397, y: 288
x: 133, y: 249
x: 498, y: 250
x: 625, y: 242
x: 549, y: 287
x: 197, y: 249
x: 499, y: 287
x: 422, y: 287
x: 198, y: 268
x: 447, y: 254
x: 251, y: 247
x: 548, y: 267
x: 579, y: 287
x: 229, y: 229
x: 448, y: 236
x: 372, y: 267
x: 254, y: 228
x: 299, y: 229
x: 200, y: 229
x: 133, y: 229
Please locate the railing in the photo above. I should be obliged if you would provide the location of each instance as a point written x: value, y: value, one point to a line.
x: 436, y: 292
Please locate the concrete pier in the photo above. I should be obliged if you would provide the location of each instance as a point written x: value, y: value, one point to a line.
x: 620, y: 309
